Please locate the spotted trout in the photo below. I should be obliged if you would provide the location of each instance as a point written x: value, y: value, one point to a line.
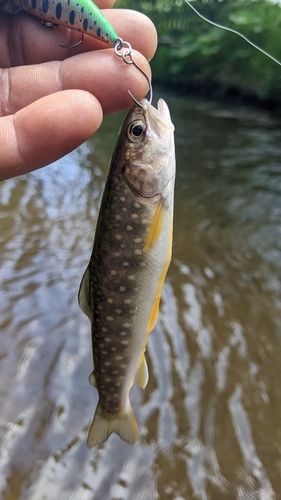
x: 121, y: 287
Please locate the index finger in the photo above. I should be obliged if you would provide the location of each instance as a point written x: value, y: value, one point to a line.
x: 105, y: 4
x: 23, y: 40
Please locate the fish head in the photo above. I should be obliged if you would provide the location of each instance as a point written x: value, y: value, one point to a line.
x: 145, y: 149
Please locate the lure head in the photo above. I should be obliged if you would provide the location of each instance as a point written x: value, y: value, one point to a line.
x: 144, y: 154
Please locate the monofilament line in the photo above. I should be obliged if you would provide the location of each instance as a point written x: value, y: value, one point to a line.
x: 233, y: 31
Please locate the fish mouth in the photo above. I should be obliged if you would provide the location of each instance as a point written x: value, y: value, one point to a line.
x: 161, y: 114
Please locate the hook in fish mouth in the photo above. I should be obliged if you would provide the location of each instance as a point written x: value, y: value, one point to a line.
x: 128, y: 59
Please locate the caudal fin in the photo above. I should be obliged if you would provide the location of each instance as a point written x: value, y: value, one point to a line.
x: 102, y: 426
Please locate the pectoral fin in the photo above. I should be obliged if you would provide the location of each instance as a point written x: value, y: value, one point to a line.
x: 156, y: 227
x: 155, y: 307
x: 153, y: 316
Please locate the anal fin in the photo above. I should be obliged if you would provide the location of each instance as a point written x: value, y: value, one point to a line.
x: 142, y: 375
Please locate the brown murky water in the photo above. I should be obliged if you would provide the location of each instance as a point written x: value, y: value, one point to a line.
x: 210, y: 417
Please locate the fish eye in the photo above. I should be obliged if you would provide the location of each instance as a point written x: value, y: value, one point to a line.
x: 136, y: 130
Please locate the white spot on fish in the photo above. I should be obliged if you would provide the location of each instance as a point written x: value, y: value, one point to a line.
x: 129, y: 228
x: 123, y: 334
x: 100, y: 308
x: 134, y: 216
x: 108, y: 379
x: 115, y: 372
x: 109, y: 318
x: 113, y: 272
x: 124, y: 342
x: 122, y: 198
x: 144, y: 221
x: 124, y: 209
x: 107, y: 363
x: 138, y: 251
x: 131, y: 277
x: 104, y: 352
x: 122, y: 289
x: 127, y: 325
x: 110, y: 301
x: 118, y: 358
x: 103, y: 329
x: 136, y: 204
x: 113, y: 349
x: 118, y: 311
x: 125, y: 263
x: 118, y: 217
x: 107, y: 339
x: 118, y: 236
x: 127, y: 301
x: 137, y: 240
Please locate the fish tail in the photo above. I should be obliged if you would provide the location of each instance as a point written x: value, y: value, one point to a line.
x: 123, y: 424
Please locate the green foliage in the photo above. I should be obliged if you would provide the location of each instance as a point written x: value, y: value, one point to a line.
x: 193, y: 51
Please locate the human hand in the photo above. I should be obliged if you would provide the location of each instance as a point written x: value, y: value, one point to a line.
x: 52, y: 99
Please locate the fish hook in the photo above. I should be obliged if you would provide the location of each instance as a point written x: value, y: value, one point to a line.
x: 127, y: 57
x: 74, y: 44
x: 48, y: 24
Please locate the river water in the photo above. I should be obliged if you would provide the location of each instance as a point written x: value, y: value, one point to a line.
x: 210, y: 416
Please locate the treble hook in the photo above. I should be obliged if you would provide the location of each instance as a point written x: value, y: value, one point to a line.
x: 128, y: 59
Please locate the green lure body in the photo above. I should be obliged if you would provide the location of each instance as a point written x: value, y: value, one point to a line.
x: 79, y: 15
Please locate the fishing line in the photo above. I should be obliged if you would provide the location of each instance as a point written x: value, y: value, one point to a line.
x: 235, y: 32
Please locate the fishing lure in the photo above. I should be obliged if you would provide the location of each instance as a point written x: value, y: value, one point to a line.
x: 79, y: 15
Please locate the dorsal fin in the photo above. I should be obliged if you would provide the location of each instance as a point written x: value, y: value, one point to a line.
x: 84, y: 295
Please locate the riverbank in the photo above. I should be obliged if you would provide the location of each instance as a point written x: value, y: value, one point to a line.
x: 195, y: 56
x: 230, y: 94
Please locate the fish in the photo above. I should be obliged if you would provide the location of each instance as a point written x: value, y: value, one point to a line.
x: 79, y: 15
x: 121, y: 287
